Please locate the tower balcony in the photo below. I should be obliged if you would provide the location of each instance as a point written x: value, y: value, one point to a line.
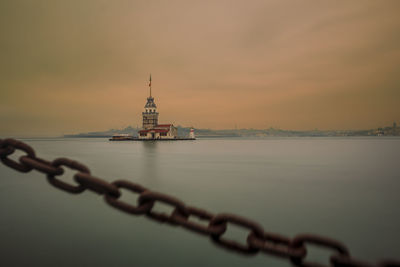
x: 148, y: 113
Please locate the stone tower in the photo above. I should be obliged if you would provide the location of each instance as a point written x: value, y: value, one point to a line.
x: 150, y: 114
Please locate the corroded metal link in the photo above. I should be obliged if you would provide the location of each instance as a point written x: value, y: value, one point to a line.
x: 96, y: 184
x: 123, y: 206
x: 277, y: 238
x: 16, y: 145
x: 150, y: 196
x: 276, y: 245
x: 389, y: 263
x: 41, y: 165
x: 75, y: 189
x: 255, y: 228
x: 343, y: 261
x: 257, y: 240
x: 184, y: 221
x: 5, y: 150
x: 346, y: 261
x: 301, y: 240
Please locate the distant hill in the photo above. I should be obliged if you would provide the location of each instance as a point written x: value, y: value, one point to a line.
x: 108, y: 133
x: 184, y: 131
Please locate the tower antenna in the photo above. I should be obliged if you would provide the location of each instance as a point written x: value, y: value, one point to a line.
x: 150, y: 84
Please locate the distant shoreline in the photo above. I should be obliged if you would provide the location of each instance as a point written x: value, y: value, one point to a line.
x: 271, y: 132
x: 60, y: 138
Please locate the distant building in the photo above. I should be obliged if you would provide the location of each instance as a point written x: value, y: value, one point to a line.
x: 161, y: 131
x: 151, y: 128
x: 191, y: 134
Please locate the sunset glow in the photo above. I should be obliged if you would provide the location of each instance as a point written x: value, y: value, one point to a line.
x: 78, y: 66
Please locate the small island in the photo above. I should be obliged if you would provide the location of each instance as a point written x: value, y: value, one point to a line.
x: 151, y: 130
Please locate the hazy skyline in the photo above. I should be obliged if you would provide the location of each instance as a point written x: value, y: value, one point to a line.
x: 79, y: 66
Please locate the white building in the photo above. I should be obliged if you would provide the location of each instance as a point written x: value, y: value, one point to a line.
x: 191, y: 134
x: 160, y: 131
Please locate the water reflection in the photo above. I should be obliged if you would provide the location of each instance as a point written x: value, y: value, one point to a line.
x: 150, y: 158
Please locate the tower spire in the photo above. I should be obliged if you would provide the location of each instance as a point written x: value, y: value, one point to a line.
x: 150, y: 84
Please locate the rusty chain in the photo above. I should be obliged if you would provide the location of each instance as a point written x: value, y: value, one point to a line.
x: 295, y: 250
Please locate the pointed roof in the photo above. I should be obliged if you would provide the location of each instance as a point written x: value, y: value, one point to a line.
x: 150, y: 103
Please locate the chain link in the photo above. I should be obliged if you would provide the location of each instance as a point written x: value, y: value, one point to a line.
x: 14, y: 144
x: 345, y: 261
x: 136, y: 188
x: 184, y: 221
x: 152, y: 197
x: 41, y: 165
x: 63, y: 185
x: 96, y: 184
x: 300, y: 240
x: 5, y: 150
x: 277, y: 245
x: 223, y: 219
x: 257, y: 240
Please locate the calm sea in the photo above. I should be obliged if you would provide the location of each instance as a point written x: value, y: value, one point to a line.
x: 345, y: 188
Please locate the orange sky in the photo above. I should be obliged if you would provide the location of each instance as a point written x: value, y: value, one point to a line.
x: 78, y: 66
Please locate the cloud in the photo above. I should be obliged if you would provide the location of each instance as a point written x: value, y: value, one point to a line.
x: 82, y: 65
